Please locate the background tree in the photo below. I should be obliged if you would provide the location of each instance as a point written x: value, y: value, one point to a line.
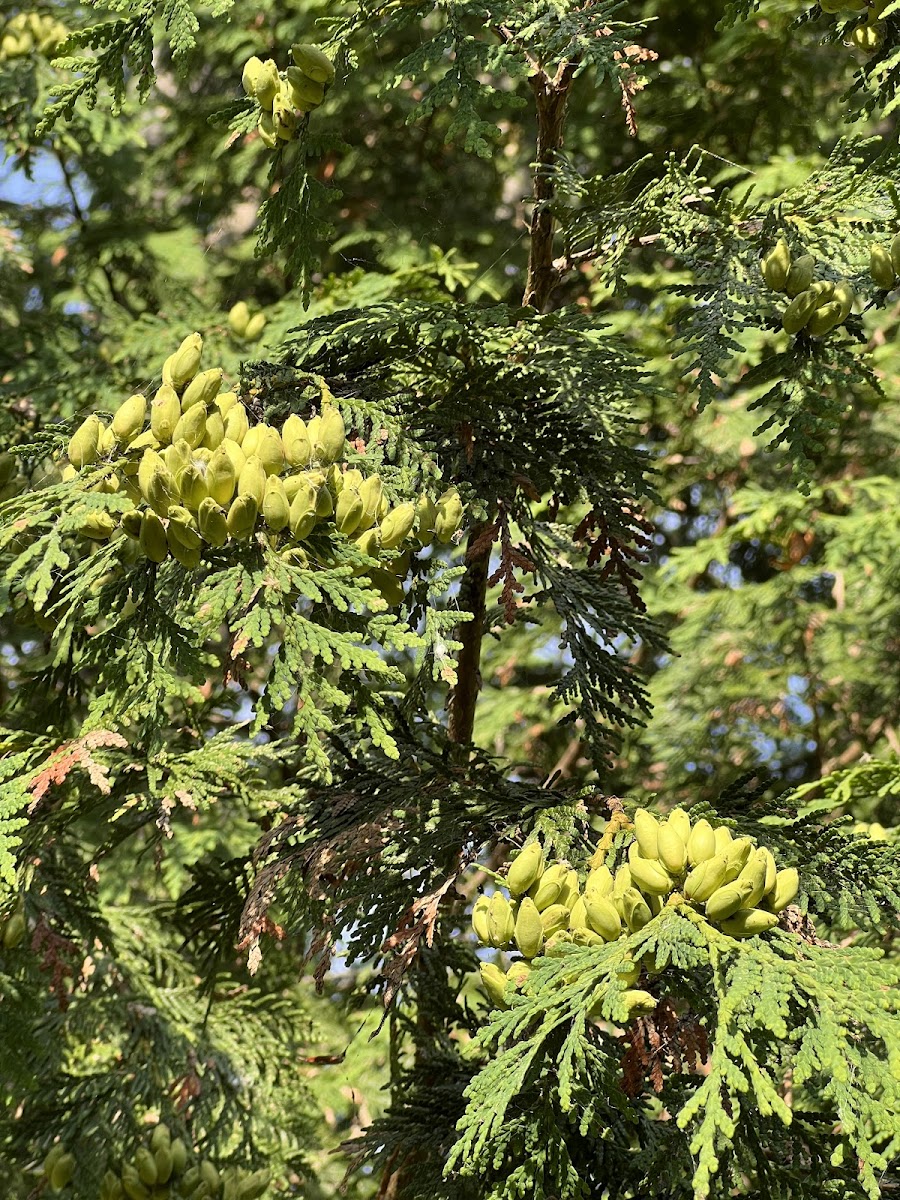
x: 519, y: 249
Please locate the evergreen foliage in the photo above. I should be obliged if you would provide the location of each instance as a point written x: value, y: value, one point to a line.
x: 246, y: 806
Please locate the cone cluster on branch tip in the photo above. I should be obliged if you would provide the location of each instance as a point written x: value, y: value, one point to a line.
x: 246, y: 326
x: 736, y: 885
x: 30, y: 32
x: 286, y: 96
x: 165, y: 1167
x: 200, y: 475
x: 867, y: 35
x: 816, y: 305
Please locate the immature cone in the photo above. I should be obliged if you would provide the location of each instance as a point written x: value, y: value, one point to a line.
x: 192, y: 485
x: 179, y: 1156
x: 225, y: 402
x: 895, y: 253
x: 494, y: 983
x: 212, y: 522
x: 449, y: 516
x: 798, y: 312
x: 252, y: 481
x: 236, y: 424
x: 702, y: 842
x: 639, y: 1003
x: 275, y: 507
x: 650, y: 877
x: 331, y: 435
x: 165, y: 413
x: 348, y: 511
x: 426, y: 514
x: 636, y: 910
x: 371, y: 494
x: 480, y: 920
x: 397, y: 525
x: 266, y: 128
x: 706, y: 878
x: 162, y: 1156
x: 387, y: 585
x: 776, y: 264
x: 881, y: 266
x: 603, y: 917
x: 824, y: 319
x: 725, y: 902
x: 131, y: 1182
x: 525, y: 869
x: 800, y: 275
x: 192, y: 426
x: 261, y: 80
x: 755, y: 873
x: 145, y: 1166
x: 302, y: 517
x: 529, y: 932
x: 787, y: 885
x: 14, y: 931
x: 265, y: 442
x: 747, y: 922
x: 152, y: 539
x: 255, y: 326
x: 305, y: 93
x: 182, y: 366
x: 221, y: 478
x: 98, y: 526
x: 599, y: 882
x: 844, y: 296
x: 129, y: 418
x: 737, y: 854
x: 202, y: 389
x: 646, y: 830
x: 546, y: 890
x: 62, y: 1172
x: 672, y: 849
x: 156, y: 482
x: 84, y: 443
x: 284, y: 118
x: 313, y: 62
x: 554, y: 919
x: 295, y: 442
x: 239, y: 314
x: 501, y: 921
x: 242, y: 517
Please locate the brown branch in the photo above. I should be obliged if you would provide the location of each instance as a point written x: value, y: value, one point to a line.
x: 472, y: 598
x: 550, y: 97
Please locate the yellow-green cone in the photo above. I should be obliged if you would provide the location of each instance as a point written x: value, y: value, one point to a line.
x: 330, y: 436
x: 603, y: 917
x: 202, y: 389
x: 525, y: 869
x: 748, y: 922
x: 212, y: 522
x: 236, y: 424
x: 494, y: 983
x: 449, y: 516
x: 242, y: 517
x: 776, y: 264
x: 313, y: 62
x: 84, y: 445
x: 220, y: 477
x: 252, y: 481
x: 129, y: 418
x: 302, y: 517
x: 529, y: 932
x: 800, y: 276
x: 191, y: 426
x: 881, y: 266
x: 183, y: 365
x: 295, y: 441
x: 239, y: 314
x: 153, y: 537
x: 165, y: 413
x: 275, y: 506
x: 397, y: 525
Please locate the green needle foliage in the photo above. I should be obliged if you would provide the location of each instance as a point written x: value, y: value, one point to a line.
x: 252, y: 785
